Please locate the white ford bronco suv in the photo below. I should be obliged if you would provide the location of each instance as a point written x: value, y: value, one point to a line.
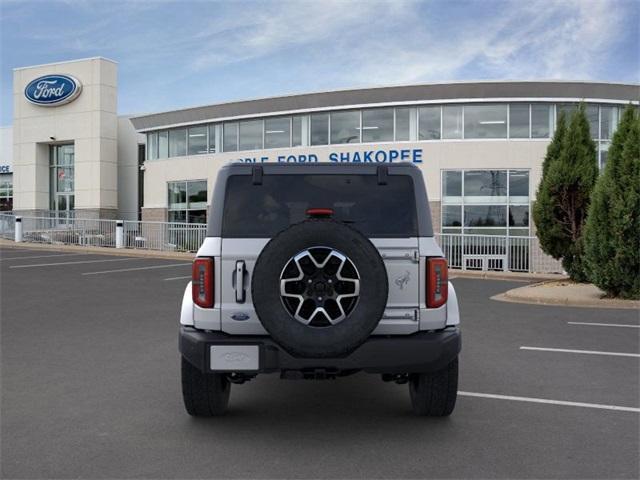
x: 319, y: 271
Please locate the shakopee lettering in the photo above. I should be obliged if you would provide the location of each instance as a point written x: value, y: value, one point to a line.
x: 378, y: 156
x: 413, y: 155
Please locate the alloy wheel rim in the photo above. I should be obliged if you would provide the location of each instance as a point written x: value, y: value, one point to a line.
x: 319, y: 286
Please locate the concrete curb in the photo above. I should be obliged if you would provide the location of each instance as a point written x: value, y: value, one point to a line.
x: 125, y: 252
x: 511, y: 276
x: 583, y: 297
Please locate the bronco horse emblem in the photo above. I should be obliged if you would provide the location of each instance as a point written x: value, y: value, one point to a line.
x: 403, y: 280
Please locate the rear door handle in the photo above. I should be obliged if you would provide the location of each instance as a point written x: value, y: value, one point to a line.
x: 240, y: 281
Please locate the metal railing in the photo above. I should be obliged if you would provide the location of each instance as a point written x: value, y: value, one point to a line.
x: 466, y: 252
x: 496, y: 253
x: 164, y: 236
x: 7, y: 226
x: 69, y: 231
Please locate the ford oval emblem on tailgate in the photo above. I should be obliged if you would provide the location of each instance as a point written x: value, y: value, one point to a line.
x: 240, y: 316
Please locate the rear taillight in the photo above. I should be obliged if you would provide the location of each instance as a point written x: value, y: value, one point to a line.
x: 437, y: 282
x: 202, y: 282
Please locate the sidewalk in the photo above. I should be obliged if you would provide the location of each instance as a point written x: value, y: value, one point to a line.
x: 564, y: 292
x: 127, y: 252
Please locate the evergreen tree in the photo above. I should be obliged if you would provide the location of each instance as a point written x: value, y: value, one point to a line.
x: 563, y: 197
x: 612, y: 233
x: 555, y: 147
x: 548, y: 231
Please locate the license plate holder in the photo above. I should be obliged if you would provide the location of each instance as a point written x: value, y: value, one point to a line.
x: 234, y: 358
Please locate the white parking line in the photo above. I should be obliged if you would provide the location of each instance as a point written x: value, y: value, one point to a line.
x: 75, y: 263
x: 42, y: 256
x: 588, y: 352
x: 604, y: 324
x: 138, y: 268
x: 551, y: 402
x: 177, y: 278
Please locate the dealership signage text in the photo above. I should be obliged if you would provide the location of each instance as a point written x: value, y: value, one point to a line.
x: 392, y: 155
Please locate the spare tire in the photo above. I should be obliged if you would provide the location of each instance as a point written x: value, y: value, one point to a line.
x: 319, y: 288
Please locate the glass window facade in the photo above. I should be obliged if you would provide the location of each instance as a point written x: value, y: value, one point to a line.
x: 403, y: 124
x: 251, y: 135
x: 452, y: 121
x: 452, y: 217
x: 485, y: 121
x: 178, y: 142
x: 519, y: 120
x: 377, y: 125
x: 296, y: 131
x: 592, y: 117
x: 319, y: 129
x: 6, y: 192
x: 152, y: 146
x: 519, y: 186
x: 62, y: 179
x: 230, y: 137
x: 485, y: 216
x: 485, y: 186
x: 345, y: 127
x: 608, y: 122
x: 541, y: 120
x: 371, y: 125
x: 187, y: 201
x: 197, y: 140
x: 487, y: 202
x: 277, y: 132
x: 163, y: 144
x: 212, y: 139
x: 429, y: 123
x: 452, y: 185
x: 567, y: 108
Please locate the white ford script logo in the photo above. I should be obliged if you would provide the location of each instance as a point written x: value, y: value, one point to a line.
x: 234, y: 357
x: 53, y: 90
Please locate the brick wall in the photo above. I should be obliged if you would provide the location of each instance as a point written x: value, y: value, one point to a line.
x: 154, y: 214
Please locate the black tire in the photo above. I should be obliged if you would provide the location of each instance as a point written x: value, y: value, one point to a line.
x: 434, y: 394
x: 204, y: 394
x: 326, y: 341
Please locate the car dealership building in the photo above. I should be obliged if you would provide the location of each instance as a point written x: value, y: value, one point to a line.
x: 479, y: 145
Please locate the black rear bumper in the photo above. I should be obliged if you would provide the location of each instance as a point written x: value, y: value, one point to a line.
x: 419, y: 352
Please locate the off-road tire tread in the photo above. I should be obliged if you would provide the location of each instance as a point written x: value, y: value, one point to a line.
x: 434, y: 394
x: 204, y: 394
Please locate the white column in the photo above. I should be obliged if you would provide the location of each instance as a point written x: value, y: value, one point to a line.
x: 18, y: 230
x: 119, y: 234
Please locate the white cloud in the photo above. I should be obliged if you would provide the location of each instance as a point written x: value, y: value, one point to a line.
x: 539, y: 39
x: 357, y: 43
x: 255, y: 30
x: 351, y: 43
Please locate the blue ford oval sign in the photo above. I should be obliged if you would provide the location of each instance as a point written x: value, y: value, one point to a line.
x: 53, y: 90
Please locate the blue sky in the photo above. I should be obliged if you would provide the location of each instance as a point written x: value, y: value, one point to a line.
x: 176, y: 54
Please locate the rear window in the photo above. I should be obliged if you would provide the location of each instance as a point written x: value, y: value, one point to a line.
x: 281, y: 200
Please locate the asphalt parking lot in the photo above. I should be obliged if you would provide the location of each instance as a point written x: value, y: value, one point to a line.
x: 91, y: 389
